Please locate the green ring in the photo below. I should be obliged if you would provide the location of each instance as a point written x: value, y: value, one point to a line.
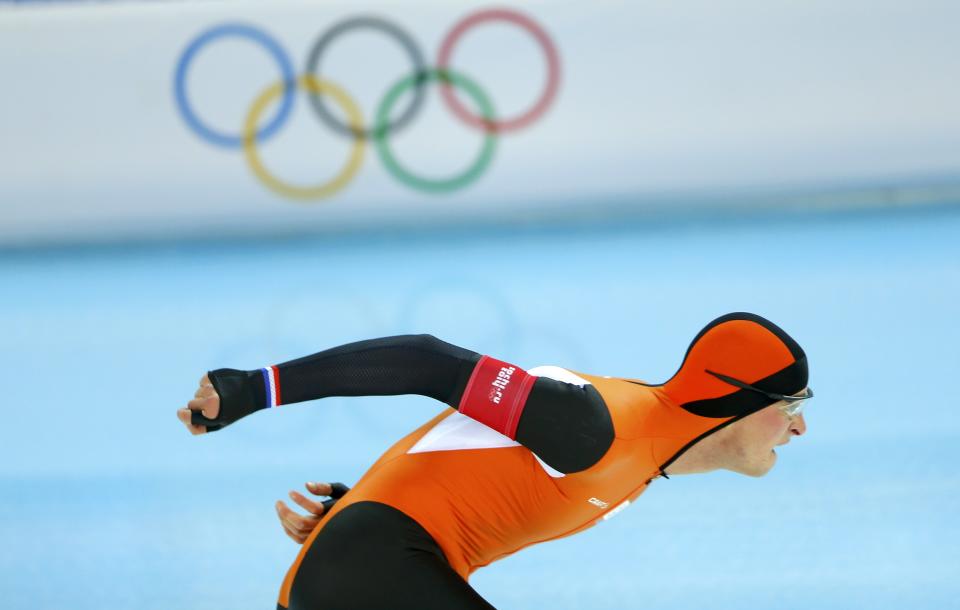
x: 381, y: 130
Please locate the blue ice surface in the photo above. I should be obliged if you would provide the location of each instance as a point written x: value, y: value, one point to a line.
x: 106, y: 501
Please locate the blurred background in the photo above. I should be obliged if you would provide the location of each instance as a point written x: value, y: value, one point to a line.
x: 578, y: 184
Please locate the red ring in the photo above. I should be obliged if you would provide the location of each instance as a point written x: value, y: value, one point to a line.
x: 553, y: 70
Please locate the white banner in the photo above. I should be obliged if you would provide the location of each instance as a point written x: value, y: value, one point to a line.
x: 126, y: 120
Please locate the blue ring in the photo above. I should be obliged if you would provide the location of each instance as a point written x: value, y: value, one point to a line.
x: 256, y: 35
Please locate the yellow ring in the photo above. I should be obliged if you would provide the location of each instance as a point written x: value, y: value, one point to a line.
x: 326, y: 189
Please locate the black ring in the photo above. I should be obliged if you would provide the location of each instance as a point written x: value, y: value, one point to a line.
x: 337, y: 490
x: 197, y: 418
x: 408, y: 44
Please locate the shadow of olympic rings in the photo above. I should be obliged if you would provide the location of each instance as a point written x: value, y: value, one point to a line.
x: 317, y: 88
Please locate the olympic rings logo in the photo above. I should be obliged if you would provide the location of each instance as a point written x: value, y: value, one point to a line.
x: 319, y: 89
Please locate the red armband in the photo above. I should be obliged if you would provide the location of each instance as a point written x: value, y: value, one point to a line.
x: 496, y: 394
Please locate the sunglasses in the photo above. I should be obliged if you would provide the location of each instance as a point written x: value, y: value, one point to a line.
x: 794, y: 406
